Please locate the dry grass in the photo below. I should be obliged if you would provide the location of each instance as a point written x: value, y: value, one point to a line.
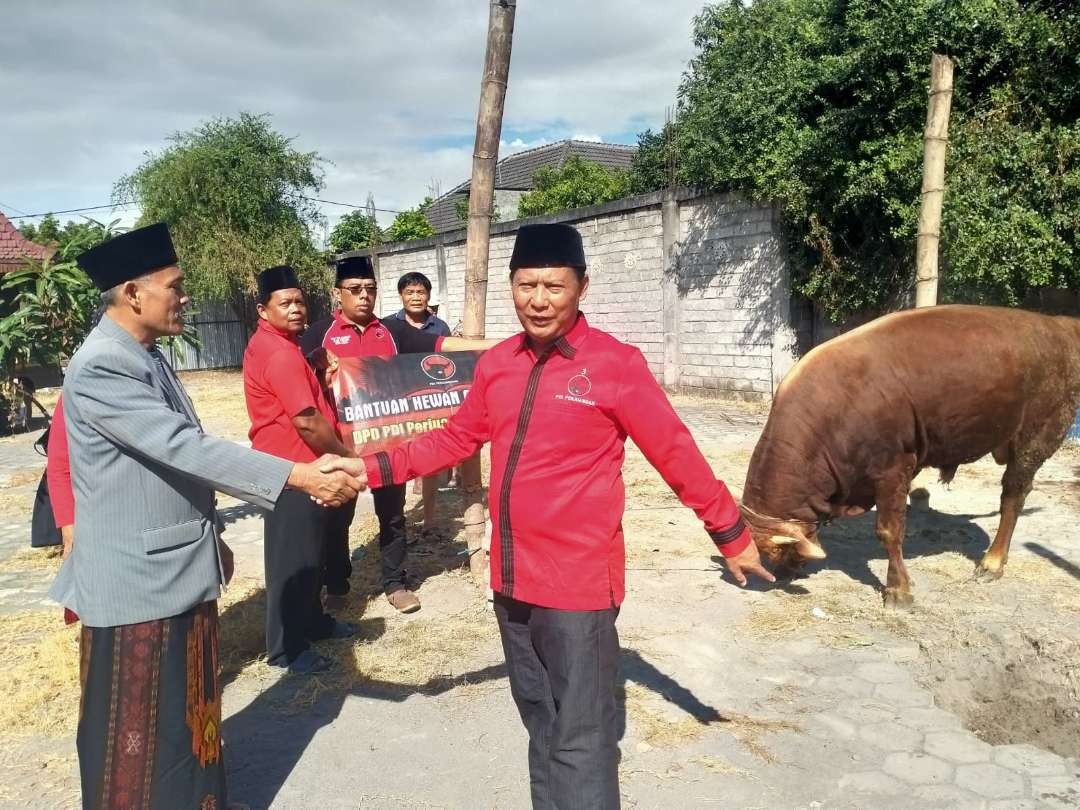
x: 22, y: 477
x: 32, y: 559
x: 832, y: 612
x: 753, y: 407
x: 662, y: 725
x: 1046, y: 581
x: 425, y: 653
x: 16, y: 503
x: 420, y: 653
x: 41, y: 674
x: 219, y: 401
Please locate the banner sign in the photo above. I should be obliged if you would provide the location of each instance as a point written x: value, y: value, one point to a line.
x: 383, y: 402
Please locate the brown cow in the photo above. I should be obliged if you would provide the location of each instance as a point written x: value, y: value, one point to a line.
x: 862, y: 414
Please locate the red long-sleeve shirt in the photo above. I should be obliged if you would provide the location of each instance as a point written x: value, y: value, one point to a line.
x: 557, y: 424
x: 58, y: 470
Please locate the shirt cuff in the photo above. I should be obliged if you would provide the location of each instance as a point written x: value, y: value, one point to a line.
x: 732, y: 542
x: 439, y: 342
x: 378, y: 470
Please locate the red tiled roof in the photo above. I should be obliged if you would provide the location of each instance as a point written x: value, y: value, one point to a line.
x: 16, y: 248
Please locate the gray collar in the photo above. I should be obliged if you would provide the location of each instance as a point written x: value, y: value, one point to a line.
x: 112, y: 329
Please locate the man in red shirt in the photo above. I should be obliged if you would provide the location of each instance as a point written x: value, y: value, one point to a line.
x: 557, y: 402
x: 290, y: 418
x: 354, y: 331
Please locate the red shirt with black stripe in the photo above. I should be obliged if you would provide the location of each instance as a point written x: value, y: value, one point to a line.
x: 342, y: 338
x: 557, y: 423
x: 278, y: 385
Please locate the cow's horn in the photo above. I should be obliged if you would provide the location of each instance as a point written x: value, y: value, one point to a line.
x: 783, y: 540
x: 810, y: 551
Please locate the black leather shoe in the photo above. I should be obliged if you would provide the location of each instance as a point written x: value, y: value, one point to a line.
x: 309, y: 662
x: 342, y: 630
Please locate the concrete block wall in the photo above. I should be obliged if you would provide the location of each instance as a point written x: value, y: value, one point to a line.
x: 730, y: 330
x: 732, y: 277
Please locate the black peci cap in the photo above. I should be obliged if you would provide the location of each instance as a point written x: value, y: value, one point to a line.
x: 128, y: 256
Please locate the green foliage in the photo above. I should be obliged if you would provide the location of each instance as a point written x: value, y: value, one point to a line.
x: 355, y: 231
x: 819, y: 105
x: 46, y: 307
x: 576, y: 184
x: 461, y: 208
x: 655, y: 163
x: 49, y: 232
x: 411, y: 224
x: 235, y: 195
x: 45, y: 232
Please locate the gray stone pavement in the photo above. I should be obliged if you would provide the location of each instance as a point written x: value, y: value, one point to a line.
x: 827, y: 728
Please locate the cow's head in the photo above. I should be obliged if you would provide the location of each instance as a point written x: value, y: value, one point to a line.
x: 783, y: 543
x: 790, y: 543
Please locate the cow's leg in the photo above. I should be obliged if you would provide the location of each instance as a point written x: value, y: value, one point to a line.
x: 891, y: 498
x: 1015, y: 486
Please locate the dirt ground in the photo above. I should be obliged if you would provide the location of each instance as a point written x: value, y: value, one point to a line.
x: 1003, y: 657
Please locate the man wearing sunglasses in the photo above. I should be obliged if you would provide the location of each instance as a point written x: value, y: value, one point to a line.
x: 355, y: 331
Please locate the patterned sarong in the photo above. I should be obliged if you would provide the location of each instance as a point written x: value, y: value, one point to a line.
x: 150, y: 715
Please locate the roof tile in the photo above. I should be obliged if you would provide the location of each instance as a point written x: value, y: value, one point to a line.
x: 515, y: 172
x: 16, y: 248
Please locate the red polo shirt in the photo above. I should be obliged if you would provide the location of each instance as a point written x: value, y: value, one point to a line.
x: 557, y: 423
x: 343, y: 338
x: 278, y: 385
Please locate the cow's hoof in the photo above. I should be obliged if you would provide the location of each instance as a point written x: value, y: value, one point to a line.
x: 985, y: 574
x: 896, y: 599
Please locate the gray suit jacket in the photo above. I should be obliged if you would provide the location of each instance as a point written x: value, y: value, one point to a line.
x: 144, y: 475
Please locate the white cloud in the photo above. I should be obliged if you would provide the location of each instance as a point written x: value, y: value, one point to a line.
x: 520, y: 145
x: 387, y: 92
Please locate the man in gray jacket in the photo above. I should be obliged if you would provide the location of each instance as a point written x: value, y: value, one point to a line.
x: 148, y: 561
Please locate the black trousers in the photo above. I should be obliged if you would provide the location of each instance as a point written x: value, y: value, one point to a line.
x: 294, y: 541
x: 562, y: 666
x: 390, y: 510
x: 338, y: 567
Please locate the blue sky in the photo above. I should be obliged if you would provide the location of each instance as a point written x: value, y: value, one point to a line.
x: 385, y: 91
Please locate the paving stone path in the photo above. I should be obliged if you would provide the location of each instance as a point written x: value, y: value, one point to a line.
x: 852, y: 727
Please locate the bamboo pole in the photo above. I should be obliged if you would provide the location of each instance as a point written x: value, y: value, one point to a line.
x: 481, y: 202
x: 935, y: 139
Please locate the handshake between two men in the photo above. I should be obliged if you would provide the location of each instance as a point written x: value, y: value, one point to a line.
x: 330, y: 480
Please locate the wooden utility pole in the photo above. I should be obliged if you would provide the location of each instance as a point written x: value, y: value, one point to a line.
x: 935, y: 139
x: 481, y: 202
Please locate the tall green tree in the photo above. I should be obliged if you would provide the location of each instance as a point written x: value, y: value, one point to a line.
x: 411, y: 224
x: 819, y: 105
x: 655, y: 163
x: 43, y: 233
x: 355, y: 231
x: 236, y: 195
x: 49, y: 232
x: 575, y: 184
